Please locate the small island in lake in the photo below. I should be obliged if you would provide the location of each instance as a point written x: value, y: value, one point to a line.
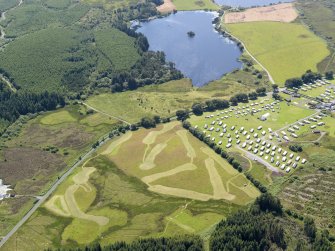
x: 191, y: 33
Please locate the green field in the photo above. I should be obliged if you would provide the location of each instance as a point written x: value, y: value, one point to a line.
x: 286, y: 49
x: 110, y: 194
x: 319, y: 18
x: 192, y: 160
x: 165, y: 99
x: 195, y: 5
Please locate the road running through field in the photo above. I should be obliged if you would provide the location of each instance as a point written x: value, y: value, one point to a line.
x: 51, y: 190
x: 259, y: 159
x: 111, y: 116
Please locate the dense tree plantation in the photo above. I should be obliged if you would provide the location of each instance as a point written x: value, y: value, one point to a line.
x: 74, y: 58
x: 12, y: 105
x: 182, y: 243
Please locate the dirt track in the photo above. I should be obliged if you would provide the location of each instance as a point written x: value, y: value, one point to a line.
x: 68, y: 200
x: 168, y: 6
x: 152, y: 136
x: 178, y: 192
x: 156, y: 176
x: 219, y: 191
x: 149, y: 161
x: 279, y: 13
x: 219, y: 160
x: 190, y: 150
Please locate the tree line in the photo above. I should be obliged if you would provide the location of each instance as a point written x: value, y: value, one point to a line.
x: 180, y: 243
x: 151, y: 68
x: 306, y: 78
x: 264, y: 225
x: 12, y: 105
x: 219, y: 104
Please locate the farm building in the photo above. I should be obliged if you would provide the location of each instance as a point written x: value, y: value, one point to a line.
x: 3, y: 190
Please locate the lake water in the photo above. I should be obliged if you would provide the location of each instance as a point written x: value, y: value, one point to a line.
x: 249, y: 3
x: 202, y: 58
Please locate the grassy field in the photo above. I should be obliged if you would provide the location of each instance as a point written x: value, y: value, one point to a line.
x: 319, y: 18
x: 195, y: 5
x: 45, y: 146
x: 165, y: 99
x: 286, y: 49
x: 114, y: 204
x: 154, y: 165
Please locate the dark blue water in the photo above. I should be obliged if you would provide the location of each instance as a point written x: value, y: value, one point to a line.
x: 203, y: 58
x: 249, y: 3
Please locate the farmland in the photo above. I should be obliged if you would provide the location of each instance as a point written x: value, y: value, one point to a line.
x: 278, y: 13
x: 319, y: 18
x: 122, y: 198
x: 286, y: 49
x: 195, y: 5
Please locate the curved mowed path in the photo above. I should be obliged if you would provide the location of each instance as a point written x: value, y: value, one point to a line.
x: 172, y: 162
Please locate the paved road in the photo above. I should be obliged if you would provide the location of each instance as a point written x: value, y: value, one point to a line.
x: 252, y: 156
x: 111, y: 116
x: 43, y: 198
x: 287, y: 126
